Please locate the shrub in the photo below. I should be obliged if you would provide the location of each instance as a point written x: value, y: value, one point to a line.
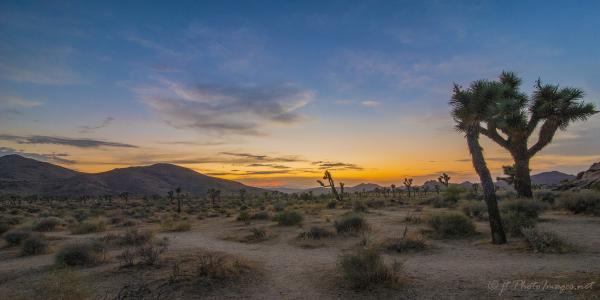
x: 218, y: 266
x: 88, y: 227
x: 409, y: 243
x: 528, y: 207
x: 451, y: 225
x: 474, y: 209
x: 150, y: 253
x: 81, y: 254
x: 258, y: 234
x: 33, y: 245
x: 545, y: 196
x: 134, y: 237
x: 279, y: 206
x: 366, y: 268
x: 350, y: 224
x: 4, y: 227
x: 514, y: 221
x: 14, y: 237
x: 545, y: 241
x: 288, y: 218
x: 452, y: 193
x: 315, y: 233
x: 244, y: 216
x: 359, y: 207
x: 375, y: 203
x: 47, y: 224
x: 412, y: 219
x: 170, y: 225
x: 582, y: 202
x: 331, y: 204
x: 261, y: 215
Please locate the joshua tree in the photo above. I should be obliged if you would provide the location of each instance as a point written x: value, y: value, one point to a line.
x: 512, y: 117
x: 444, y: 179
x: 469, y: 108
x: 425, y: 189
x: 178, y: 193
x: 124, y: 196
x: 342, y: 191
x: 243, y: 195
x: 393, y: 186
x: 170, y: 195
x: 214, y: 194
x: 407, y: 183
x: 509, y: 171
x: 331, y: 185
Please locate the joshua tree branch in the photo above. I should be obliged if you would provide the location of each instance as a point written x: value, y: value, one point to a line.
x: 547, y: 132
x: 493, y: 134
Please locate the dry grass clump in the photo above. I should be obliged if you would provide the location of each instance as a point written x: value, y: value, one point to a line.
x: 33, y: 245
x: 81, y: 254
x: 88, y: 226
x: 365, y: 268
x: 175, y: 226
x: 14, y: 237
x: 135, y: 237
x: 315, y: 233
x: 351, y: 224
x: 288, y: 218
x: 581, y: 202
x: 451, y: 225
x: 48, y: 224
x: 359, y: 207
x: 545, y: 241
x: 61, y: 284
x: 406, y: 243
x: 474, y: 209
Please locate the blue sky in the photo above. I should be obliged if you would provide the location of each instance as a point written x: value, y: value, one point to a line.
x: 363, y: 83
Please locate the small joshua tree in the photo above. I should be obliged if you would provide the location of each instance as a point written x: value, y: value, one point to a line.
x: 243, y: 195
x: 407, y: 183
x: 393, y: 186
x: 170, y: 194
x: 342, y: 191
x: 444, y: 179
x: 124, y: 196
x: 214, y: 194
x: 178, y: 193
x: 331, y: 185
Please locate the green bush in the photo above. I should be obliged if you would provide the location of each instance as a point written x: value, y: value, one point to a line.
x: 33, y: 245
x: 47, y: 224
x: 88, y: 227
x: 350, y: 224
x: 545, y: 241
x: 545, y: 196
x: 134, y: 237
x: 14, y: 237
x: 81, y: 254
x: 452, y: 193
x: 244, y: 216
x: 581, y: 202
x: 474, y: 209
x: 514, y: 221
x: 528, y: 207
x: 451, y: 225
x: 288, y: 218
x: 359, y: 207
x: 261, y: 215
x: 405, y: 244
x: 366, y: 268
x: 315, y: 233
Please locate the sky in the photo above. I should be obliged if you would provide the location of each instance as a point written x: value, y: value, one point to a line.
x: 271, y: 93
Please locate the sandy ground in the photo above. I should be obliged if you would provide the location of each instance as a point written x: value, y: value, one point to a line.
x: 452, y: 269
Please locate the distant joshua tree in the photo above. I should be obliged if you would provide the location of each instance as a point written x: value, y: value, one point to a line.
x: 407, y: 183
x: 178, y: 193
x: 444, y: 179
x: 124, y: 196
x: 331, y: 184
x: 475, y: 187
x: 214, y: 194
x: 393, y: 186
x: 243, y: 195
x: 170, y: 194
x: 342, y: 191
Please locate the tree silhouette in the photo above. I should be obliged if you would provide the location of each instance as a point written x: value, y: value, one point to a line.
x: 469, y: 108
x: 407, y: 183
x: 513, y: 117
x: 331, y: 184
x: 444, y: 179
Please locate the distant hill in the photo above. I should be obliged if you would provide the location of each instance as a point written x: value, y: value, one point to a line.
x: 25, y: 176
x: 550, y: 178
x: 589, y: 179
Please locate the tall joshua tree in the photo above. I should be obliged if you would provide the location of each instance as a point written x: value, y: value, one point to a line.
x: 444, y: 179
x: 331, y: 184
x: 469, y: 108
x: 514, y: 117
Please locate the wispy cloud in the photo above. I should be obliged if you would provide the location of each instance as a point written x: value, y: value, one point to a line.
x: 242, y: 110
x: 336, y: 165
x: 12, y: 104
x: 80, y: 143
x: 263, y: 158
x: 47, y: 157
x: 370, y: 103
x: 92, y: 128
x: 274, y: 166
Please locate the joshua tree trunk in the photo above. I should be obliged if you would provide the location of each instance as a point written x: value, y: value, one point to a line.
x: 489, y: 191
x: 522, y: 176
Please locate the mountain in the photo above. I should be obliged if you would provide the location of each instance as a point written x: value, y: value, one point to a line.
x: 550, y: 178
x: 25, y: 176
x: 589, y: 179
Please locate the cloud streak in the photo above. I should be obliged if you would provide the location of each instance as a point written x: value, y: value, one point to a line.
x: 80, y: 143
x: 47, y: 157
x: 92, y: 128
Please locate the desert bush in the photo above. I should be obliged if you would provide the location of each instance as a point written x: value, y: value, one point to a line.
x: 408, y: 243
x: 47, y: 224
x: 366, y: 268
x: 545, y: 241
x: 514, y: 221
x: 331, y: 204
x: 288, y: 218
x: 350, y: 224
x: 60, y: 284
x: 81, y: 214
x: 127, y: 257
x: 33, y: 245
x: 261, y: 215
x: 258, y: 234
x: 218, y: 266
x: 359, y: 207
x: 89, y: 226
x: 244, y: 216
x: 149, y: 253
x: 581, y: 202
x: 452, y: 193
x: 528, y: 207
x: 545, y: 196
x: 412, y: 219
x: 315, y: 233
x: 279, y: 206
x: 134, y: 237
x: 376, y: 203
x: 172, y: 226
x: 81, y: 254
x: 14, y: 237
x: 474, y: 209
x: 451, y: 225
